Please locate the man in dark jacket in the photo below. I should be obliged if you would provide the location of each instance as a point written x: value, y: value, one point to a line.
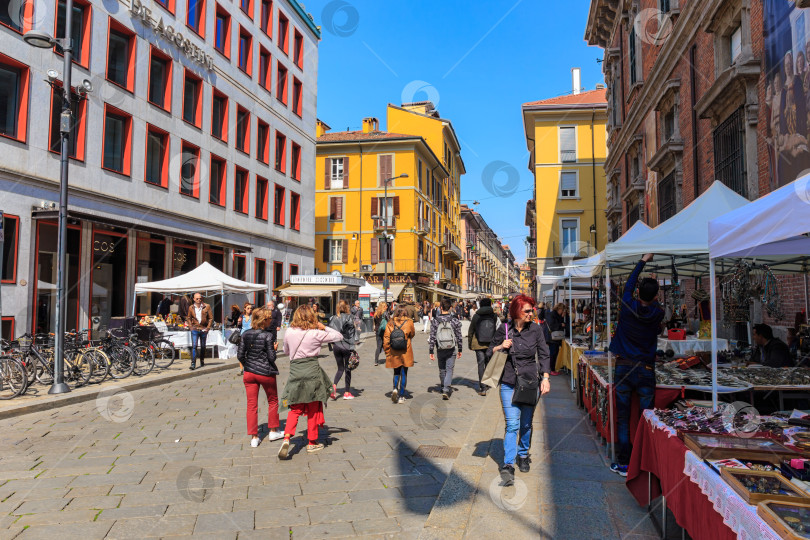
x: 275, y: 321
x: 484, y: 314
x: 635, y: 344
x: 447, y: 358
x: 164, y: 306
x: 770, y: 351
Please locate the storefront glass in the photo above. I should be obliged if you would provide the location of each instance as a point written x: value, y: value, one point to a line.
x: 45, y: 286
x: 215, y: 257
x: 184, y: 259
x: 151, y: 266
x: 108, y: 283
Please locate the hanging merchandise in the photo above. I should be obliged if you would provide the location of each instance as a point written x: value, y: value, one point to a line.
x: 749, y: 282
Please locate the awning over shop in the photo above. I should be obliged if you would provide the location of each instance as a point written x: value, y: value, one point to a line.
x: 443, y: 292
x: 394, y: 290
x: 313, y: 291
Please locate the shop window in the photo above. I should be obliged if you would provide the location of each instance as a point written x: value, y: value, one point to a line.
x: 264, y: 68
x: 245, y: 52
x: 8, y: 328
x: 215, y: 256
x: 11, y: 232
x: 13, y: 98
x: 295, y: 162
x: 168, y: 5
x: 108, y: 277
x: 117, y: 140
x: 298, y: 50
x: 218, y: 184
x: 190, y: 171
x: 335, y: 208
x: 266, y: 17
x: 192, y: 99
x: 295, y: 211
x: 150, y: 265
x: 242, y: 130
x: 157, y: 157
x: 260, y: 276
x: 297, y: 97
x: 184, y: 258
x: 281, y: 153
x: 241, y: 195
x: 278, y: 211
x: 568, y: 185
x: 281, y: 83
x: 240, y: 267
x: 222, y: 39
x: 568, y: 144
x: 263, y: 142
x: 283, y: 38
x: 44, y: 313
x: 247, y: 7
x: 278, y: 274
x: 78, y: 122
x: 17, y: 15
x: 79, y: 31
x: 121, y: 47
x: 261, y: 198
x: 160, y: 79
x: 219, y: 116
x: 195, y: 16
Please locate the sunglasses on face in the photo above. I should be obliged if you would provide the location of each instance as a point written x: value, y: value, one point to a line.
x: 528, y: 310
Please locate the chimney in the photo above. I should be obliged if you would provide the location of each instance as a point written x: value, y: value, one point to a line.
x: 370, y: 124
x: 321, y: 128
x: 576, y: 80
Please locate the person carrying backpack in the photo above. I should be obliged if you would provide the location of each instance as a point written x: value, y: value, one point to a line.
x: 343, y: 323
x: 480, y: 334
x: 398, y: 352
x: 380, y: 321
x: 445, y: 334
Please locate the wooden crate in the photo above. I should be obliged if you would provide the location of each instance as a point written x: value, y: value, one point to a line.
x: 732, y: 476
x: 766, y: 512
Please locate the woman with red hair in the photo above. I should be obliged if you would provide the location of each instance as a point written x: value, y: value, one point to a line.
x: 525, y: 344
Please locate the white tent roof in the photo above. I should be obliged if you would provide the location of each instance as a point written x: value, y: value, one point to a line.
x: 775, y: 225
x: 370, y: 290
x: 204, y: 278
x: 591, y: 266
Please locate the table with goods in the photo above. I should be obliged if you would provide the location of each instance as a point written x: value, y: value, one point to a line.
x: 175, y: 330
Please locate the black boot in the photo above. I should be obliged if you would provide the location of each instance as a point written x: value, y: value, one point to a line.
x: 508, y: 475
x: 523, y: 463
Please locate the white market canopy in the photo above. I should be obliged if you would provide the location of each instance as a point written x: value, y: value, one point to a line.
x: 593, y: 265
x: 369, y: 290
x: 204, y: 278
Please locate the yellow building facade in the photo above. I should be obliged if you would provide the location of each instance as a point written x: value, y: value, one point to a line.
x: 410, y: 232
x: 566, y: 139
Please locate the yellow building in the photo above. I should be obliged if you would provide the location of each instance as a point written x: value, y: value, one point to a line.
x: 525, y: 283
x: 566, y: 141
x: 413, y: 233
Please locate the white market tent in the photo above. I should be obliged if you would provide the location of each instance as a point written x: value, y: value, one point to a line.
x: 593, y: 265
x: 373, y: 292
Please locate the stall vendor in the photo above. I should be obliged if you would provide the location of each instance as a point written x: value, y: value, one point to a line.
x: 770, y: 351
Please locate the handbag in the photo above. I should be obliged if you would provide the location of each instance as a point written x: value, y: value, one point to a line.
x: 558, y: 335
x: 235, y: 337
x: 527, y: 389
x: 494, y: 369
x: 353, y: 361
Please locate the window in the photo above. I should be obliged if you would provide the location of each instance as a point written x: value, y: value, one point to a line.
x: 283, y: 32
x: 385, y: 168
x: 217, y: 189
x: 281, y: 83
x: 219, y: 116
x: 568, y: 144
x: 735, y: 43
x: 263, y: 143
x: 79, y: 31
x: 419, y: 173
x: 168, y: 5
x: 666, y: 198
x: 729, y: 152
x: 297, y: 97
x: 78, y: 110
x: 669, y: 124
x: 264, y: 68
x: 336, y: 173
x: 381, y: 250
x: 386, y: 210
x: 44, y: 305
x: 222, y: 39
x: 17, y: 15
x: 261, y: 197
x: 295, y: 165
x: 278, y: 274
x: 298, y: 49
x: 121, y: 57
x: 245, y: 52
x: 157, y: 157
x: 192, y: 97
x: 190, y: 170
x: 569, y: 236
x: 11, y: 232
x: 160, y: 77
x: 241, y: 196
x: 247, y: 7
x: 281, y: 153
x: 117, y: 140
x: 333, y: 251
x: 632, y: 213
x: 335, y: 208
x: 242, y: 130
x: 631, y: 38
x: 266, y: 17
x: 8, y: 324
x: 195, y: 16
x: 295, y: 211
x: 293, y: 269
x: 278, y: 210
x: 663, y: 6
x: 568, y: 184
x: 13, y: 98
x: 239, y: 266
x: 260, y: 276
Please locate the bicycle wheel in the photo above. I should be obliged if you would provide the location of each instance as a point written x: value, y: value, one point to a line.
x: 101, y: 367
x: 78, y: 369
x: 122, y: 361
x: 13, y: 380
x: 145, y: 359
x: 44, y: 369
x: 165, y: 352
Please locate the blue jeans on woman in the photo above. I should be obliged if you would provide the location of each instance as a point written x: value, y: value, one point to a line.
x: 201, y: 336
x: 638, y: 377
x: 518, y: 436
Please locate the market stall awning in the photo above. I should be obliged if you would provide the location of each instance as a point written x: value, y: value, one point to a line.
x: 204, y: 278
x: 394, y: 290
x: 444, y: 292
x: 313, y: 291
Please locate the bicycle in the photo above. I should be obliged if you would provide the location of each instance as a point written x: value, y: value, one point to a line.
x: 13, y: 377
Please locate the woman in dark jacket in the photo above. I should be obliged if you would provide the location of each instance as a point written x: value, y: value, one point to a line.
x: 343, y: 322
x: 528, y: 358
x: 258, y: 356
x: 555, y: 322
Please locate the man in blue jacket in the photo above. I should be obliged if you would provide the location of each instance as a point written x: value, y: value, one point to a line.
x: 634, y: 345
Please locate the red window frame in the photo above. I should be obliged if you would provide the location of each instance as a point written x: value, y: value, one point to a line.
x: 133, y: 45
x: 27, y: 18
x: 265, y: 68
x: 242, y: 206
x: 295, y: 162
x: 293, y: 266
x: 164, y: 173
x: 87, y: 17
x: 295, y: 211
x: 247, y: 69
x: 227, y: 45
x: 187, y: 74
x: 243, y: 4
x: 262, y: 188
x: 298, y: 49
x: 244, y: 262
x: 93, y: 234
x: 127, y: 157
x: 22, y: 113
x: 279, y: 195
x: 16, y: 241
x: 201, y: 30
x: 278, y: 265
x: 263, y: 150
x: 187, y: 148
x: 81, y: 129
x: 223, y: 186
x: 36, y: 264
x: 13, y: 324
x: 245, y: 148
x: 283, y: 37
x: 168, y: 6
x: 266, y: 17
x: 280, y: 162
x: 224, y: 134
x: 259, y: 277
x: 297, y: 97
x: 167, y: 91
x: 281, y: 83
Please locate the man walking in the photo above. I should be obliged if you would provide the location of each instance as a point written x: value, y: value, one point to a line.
x: 445, y: 334
x: 200, y: 318
x: 480, y: 334
x: 635, y: 344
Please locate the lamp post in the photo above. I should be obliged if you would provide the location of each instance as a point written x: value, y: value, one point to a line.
x: 385, y: 220
x: 43, y: 40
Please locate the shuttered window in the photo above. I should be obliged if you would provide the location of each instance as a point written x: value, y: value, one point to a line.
x: 568, y: 184
x: 386, y: 168
x: 568, y: 144
x: 335, y: 208
x: 336, y: 173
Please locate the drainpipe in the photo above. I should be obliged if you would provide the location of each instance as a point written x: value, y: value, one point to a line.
x: 360, y: 231
x: 593, y: 172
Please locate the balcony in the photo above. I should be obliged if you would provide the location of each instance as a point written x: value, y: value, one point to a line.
x: 422, y: 227
x: 452, y: 250
x: 448, y: 274
x: 405, y: 266
x: 381, y: 224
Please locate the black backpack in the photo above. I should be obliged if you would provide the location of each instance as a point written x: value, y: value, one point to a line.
x: 485, y: 330
x: 397, y: 339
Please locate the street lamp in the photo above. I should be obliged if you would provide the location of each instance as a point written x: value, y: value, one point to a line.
x: 385, y: 220
x: 43, y: 40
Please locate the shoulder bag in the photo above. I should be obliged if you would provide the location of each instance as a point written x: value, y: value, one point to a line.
x: 527, y: 389
x: 235, y: 337
x: 494, y: 369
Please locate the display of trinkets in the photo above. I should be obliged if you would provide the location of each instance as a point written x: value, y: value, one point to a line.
x: 670, y: 375
x: 749, y: 282
x: 789, y: 519
x: 770, y: 377
x: 758, y: 486
x: 719, y: 446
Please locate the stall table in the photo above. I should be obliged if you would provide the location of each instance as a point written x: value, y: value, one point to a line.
x: 564, y: 356
x: 690, y: 344
x: 181, y: 339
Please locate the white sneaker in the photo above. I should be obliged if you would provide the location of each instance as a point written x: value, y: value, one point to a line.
x: 401, y: 399
x: 274, y: 435
x: 254, y: 443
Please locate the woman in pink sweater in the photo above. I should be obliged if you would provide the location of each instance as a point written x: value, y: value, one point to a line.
x: 308, y: 386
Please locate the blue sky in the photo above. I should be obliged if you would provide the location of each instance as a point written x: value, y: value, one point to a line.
x: 478, y: 60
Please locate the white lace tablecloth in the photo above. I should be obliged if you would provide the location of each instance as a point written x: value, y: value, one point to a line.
x: 691, y: 344
x: 182, y: 340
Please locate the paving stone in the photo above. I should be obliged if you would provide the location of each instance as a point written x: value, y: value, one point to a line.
x: 273, y: 490
x: 289, y: 517
x: 377, y: 526
x: 330, y: 530
x: 233, y: 521
x: 151, y: 527
x: 55, y: 518
x: 98, y: 503
x: 85, y: 531
x: 321, y: 498
x: 344, y: 512
x: 193, y: 508
x: 264, y: 503
x: 133, y: 512
x: 43, y: 505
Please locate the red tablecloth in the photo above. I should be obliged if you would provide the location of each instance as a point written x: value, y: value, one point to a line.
x: 662, y: 456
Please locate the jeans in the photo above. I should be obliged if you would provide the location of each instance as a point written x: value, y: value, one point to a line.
x: 553, y: 349
x: 252, y: 383
x: 342, y: 359
x: 400, y: 379
x: 481, y: 358
x: 202, y: 336
x: 518, y: 437
x: 447, y: 361
x: 379, y: 349
x: 640, y: 378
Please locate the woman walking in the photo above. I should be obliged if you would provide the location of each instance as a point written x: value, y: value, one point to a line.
x: 527, y: 359
x: 244, y: 321
x: 258, y: 357
x: 425, y: 317
x: 397, y: 357
x: 343, y: 322
x: 307, y: 388
x: 556, y: 328
x: 380, y: 320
